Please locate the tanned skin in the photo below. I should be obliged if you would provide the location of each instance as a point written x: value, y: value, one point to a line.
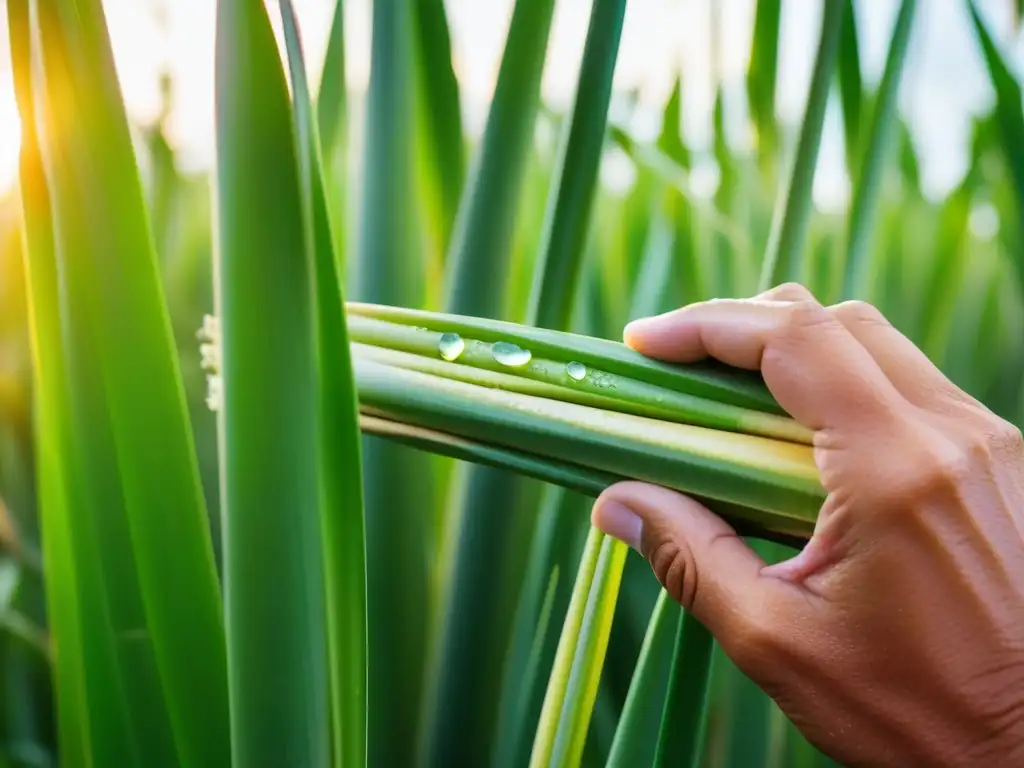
x: 896, y: 637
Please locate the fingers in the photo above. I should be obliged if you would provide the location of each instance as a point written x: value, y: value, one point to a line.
x: 697, y: 557
x: 787, y: 292
x: 906, y: 366
x: 813, y: 365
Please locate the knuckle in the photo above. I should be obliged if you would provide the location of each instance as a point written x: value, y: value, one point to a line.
x: 859, y: 312
x: 792, y: 291
x: 1005, y: 436
x: 799, y: 316
x: 675, y: 569
x: 943, y: 464
x: 940, y: 465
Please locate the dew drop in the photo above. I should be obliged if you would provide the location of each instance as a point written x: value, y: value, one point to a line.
x: 451, y: 346
x: 577, y: 371
x: 510, y: 354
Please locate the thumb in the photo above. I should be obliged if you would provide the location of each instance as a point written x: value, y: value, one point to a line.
x: 698, y: 558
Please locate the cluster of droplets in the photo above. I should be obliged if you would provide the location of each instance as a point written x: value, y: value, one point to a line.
x: 451, y: 346
x: 210, y: 360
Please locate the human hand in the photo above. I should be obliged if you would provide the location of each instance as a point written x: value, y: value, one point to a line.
x: 896, y: 637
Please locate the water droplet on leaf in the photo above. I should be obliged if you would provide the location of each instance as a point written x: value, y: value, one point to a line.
x: 451, y: 346
x: 510, y: 354
x: 577, y: 371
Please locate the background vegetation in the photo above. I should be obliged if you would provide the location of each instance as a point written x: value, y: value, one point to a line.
x: 483, y: 621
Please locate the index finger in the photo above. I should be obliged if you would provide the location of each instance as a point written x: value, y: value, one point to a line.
x: 812, y: 364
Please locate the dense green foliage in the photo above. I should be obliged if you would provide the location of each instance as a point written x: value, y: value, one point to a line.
x: 265, y: 586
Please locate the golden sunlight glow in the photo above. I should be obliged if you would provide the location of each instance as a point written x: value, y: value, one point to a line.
x: 10, y: 137
x: 661, y: 39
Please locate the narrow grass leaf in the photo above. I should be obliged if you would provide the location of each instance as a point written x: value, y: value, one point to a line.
x: 851, y: 87
x: 711, y: 380
x: 557, y: 271
x: 875, y: 160
x: 1010, y: 117
x: 762, y: 75
x: 945, y: 275
x: 332, y: 98
x: 554, y: 555
x: 772, y: 476
x: 65, y: 619
x: 109, y: 272
x: 332, y: 116
x: 277, y: 649
x: 106, y: 733
x: 910, y: 168
x: 25, y: 683
x: 683, y: 720
x: 560, y: 379
x: 568, y: 215
x: 481, y: 245
x: 793, y: 211
x: 657, y: 265
x: 636, y: 738
x: 465, y: 687
x: 726, y: 265
x: 441, y: 111
x: 588, y: 660
x: 341, y: 516
x: 397, y: 480
x: 554, y: 700
x: 670, y: 139
x: 101, y: 517
x: 570, y: 476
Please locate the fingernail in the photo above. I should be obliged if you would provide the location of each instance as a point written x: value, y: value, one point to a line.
x: 640, y: 325
x: 619, y: 521
x: 636, y: 330
x: 646, y: 325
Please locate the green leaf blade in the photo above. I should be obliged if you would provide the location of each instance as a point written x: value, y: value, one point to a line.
x: 636, y: 738
x: 441, y: 110
x: 684, y: 716
x: 777, y: 477
x: 851, y: 87
x: 711, y: 380
x: 571, y: 200
x: 463, y: 702
x: 867, y: 189
x: 1010, y: 117
x: 341, y: 518
x: 277, y: 647
x: 794, y: 207
x: 481, y: 244
x: 128, y: 373
x: 390, y: 269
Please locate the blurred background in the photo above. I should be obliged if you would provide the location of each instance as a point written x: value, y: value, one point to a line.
x: 707, y: 43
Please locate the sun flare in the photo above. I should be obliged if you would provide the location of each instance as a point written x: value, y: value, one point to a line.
x: 10, y: 138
